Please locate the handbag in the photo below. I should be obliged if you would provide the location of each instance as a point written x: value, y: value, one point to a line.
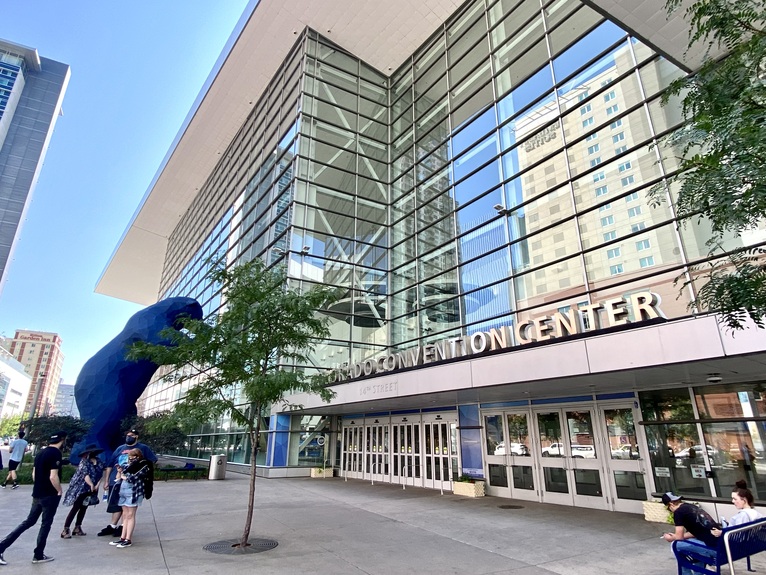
x: 91, y: 499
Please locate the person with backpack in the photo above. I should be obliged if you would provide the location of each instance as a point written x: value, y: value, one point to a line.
x: 694, y: 526
x: 132, y: 480
x: 120, y: 458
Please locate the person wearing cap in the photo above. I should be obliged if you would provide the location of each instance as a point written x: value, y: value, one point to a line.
x: 46, y: 494
x: 18, y: 448
x: 120, y: 459
x: 694, y: 527
x: 83, y: 485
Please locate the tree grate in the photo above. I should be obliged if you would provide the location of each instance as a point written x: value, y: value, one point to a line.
x: 229, y: 546
x: 510, y: 507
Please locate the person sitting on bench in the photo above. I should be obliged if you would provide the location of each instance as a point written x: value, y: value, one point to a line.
x: 696, y: 531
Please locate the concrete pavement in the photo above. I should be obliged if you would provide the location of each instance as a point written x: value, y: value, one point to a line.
x: 330, y: 526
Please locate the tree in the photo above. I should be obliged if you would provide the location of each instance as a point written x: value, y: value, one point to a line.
x: 233, y: 360
x: 40, y: 429
x: 722, y: 146
x: 9, y: 426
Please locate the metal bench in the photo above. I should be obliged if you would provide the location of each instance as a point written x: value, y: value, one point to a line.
x: 188, y: 469
x: 739, y: 542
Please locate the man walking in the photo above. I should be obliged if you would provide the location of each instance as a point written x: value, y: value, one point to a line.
x: 17, y: 450
x: 46, y: 494
x: 120, y: 458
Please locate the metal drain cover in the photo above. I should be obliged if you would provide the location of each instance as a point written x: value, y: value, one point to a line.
x: 510, y: 507
x: 227, y: 547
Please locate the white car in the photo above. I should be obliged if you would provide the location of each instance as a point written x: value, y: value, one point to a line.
x: 578, y: 451
x: 625, y: 452
x: 584, y: 451
x: 516, y: 449
x: 553, y: 450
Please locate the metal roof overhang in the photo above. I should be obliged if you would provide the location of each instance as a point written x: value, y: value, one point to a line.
x: 383, y: 34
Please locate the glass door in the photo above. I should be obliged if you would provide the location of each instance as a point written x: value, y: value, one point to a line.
x: 353, y: 451
x: 587, y: 460
x: 437, y: 457
x: 508, y: 452
x: 406, y: 463
x: 626, y: 473
x: 377, y: 457
x: 570, y: 458
x: 554, y: 464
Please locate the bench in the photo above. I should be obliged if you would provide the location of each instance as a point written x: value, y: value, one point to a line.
x: 738, y: 542
x: 188, y: 469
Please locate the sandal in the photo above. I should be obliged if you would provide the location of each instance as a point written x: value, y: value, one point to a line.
x: 65, y: 534
x: 78, y: 531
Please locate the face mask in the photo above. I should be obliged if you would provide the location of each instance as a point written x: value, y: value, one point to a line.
x: 129, y: 440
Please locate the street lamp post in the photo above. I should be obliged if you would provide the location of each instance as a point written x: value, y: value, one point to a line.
x: 33, y: 407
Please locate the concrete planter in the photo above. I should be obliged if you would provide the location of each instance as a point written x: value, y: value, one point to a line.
x: 466, y: 489
x: 655, y: 511
x: 321, y: 471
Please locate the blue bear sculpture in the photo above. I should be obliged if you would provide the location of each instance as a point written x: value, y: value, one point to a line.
x: 109, y: 385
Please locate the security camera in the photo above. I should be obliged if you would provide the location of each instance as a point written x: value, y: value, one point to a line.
x: 714, y: 378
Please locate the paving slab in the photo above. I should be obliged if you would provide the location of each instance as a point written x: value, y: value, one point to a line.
x: 332, y: 526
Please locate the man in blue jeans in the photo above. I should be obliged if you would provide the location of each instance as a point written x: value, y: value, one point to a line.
x: 46, y: 494
x: 694, y: 526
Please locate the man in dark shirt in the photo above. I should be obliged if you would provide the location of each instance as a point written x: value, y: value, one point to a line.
x: 693, y: 525
x: 46, y: 494
x: 120, y: 459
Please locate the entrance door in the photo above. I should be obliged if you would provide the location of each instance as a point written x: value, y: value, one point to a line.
x: 353, y: 451
x: 626, y: 467
x: 377, y: 457
x: 437, y: 456
x: 406, y: 460
x: 508, y: 451
x: 571, y: 458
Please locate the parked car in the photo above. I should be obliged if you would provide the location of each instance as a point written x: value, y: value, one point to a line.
x: 695, y: 451
x: 515, y: 449
x: 584, y: 451
x: 625, y: 452
x: 553, y: 450
x: 578, y: 451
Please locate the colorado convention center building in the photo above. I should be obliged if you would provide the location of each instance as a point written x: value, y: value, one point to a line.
x: 473, y: 177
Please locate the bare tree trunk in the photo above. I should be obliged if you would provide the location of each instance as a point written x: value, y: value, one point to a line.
x: 253, y: 432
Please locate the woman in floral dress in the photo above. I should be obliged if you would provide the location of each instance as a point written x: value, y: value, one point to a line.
x: 82, y: 487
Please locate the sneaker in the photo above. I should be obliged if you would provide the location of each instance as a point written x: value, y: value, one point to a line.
x: 115, y: 543
x: 124, y: 543
x: 15, y: 486
x: 43, y: 559
x: 118, y: 532
x: 3, y: 485
x: 108, y: 530
x: 3, y: 561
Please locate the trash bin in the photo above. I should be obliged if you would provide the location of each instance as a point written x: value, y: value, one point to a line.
x: 217, y: 467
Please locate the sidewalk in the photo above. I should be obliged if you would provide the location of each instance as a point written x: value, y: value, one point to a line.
x: 329, y: 526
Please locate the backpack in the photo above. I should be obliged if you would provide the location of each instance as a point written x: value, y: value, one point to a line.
x: 149, y: 481
x: 705, y: 520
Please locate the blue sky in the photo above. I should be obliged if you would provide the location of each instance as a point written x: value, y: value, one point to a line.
x: 137, y: 68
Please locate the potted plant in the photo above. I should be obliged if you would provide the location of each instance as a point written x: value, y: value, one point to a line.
x: 468, y: 486
x: 656, y: 512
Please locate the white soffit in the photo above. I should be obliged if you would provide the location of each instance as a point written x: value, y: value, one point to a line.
x: 648, y: 20
x: 383, y: 34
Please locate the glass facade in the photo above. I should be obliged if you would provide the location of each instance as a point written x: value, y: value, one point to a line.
x: 501, y: 173
x: 720, y: 428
